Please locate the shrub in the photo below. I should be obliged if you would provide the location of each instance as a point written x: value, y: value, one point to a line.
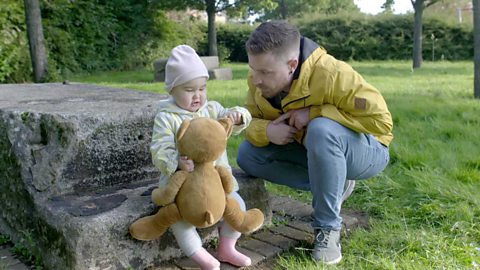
x: 14, y: 52
x: 387, y: 37
x: 132, y: 34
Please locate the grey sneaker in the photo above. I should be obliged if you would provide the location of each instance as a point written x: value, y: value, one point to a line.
x: 327, y: 247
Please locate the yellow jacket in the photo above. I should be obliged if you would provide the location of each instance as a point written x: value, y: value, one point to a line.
x: 332, y: 89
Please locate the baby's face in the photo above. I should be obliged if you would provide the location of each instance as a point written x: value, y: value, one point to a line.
x: 191, y: 95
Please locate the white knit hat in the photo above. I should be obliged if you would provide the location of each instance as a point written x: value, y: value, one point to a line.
x: 182, y: 66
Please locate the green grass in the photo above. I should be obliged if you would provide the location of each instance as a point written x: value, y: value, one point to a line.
x: 425, y: 207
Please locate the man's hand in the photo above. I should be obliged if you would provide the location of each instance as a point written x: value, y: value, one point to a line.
x: 280, y: 133
x: 185, y: 164
x: 236, y: 117
x: 298, y: 119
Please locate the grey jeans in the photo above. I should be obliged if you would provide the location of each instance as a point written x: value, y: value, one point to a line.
x: 331, y: 154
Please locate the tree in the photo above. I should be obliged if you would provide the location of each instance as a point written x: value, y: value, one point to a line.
x: 38, y: 53
x: 476, y: 25
x: 212, y: 29
x: 295, y: 8
x: 388, y: 6
x: 212, y: 7
x: 418, y: 6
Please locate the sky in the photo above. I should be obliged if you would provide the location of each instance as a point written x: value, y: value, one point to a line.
x: 374, y: 6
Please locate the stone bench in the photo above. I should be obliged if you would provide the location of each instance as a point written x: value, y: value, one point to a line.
x: 211, y: 62
x: 76, y: 172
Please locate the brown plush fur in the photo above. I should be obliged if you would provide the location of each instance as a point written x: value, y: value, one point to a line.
x: 200, y: 197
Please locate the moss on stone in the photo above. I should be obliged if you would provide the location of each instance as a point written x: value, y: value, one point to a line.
x: 25, y: 116
x: 17, y: 209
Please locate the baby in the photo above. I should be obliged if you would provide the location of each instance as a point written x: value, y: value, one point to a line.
x: 186, y: 82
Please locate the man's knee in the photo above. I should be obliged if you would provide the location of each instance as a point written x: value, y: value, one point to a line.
x: 249, y: 158
x: 321, y: 129
x: 242, y: 155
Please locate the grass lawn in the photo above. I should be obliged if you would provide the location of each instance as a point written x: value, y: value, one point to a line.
x: 425, y: 207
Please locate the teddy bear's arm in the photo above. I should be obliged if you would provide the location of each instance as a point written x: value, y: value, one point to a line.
x: 227, y: 178
x: 166, y: 194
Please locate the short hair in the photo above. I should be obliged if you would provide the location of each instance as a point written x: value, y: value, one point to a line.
x: 278, y: 37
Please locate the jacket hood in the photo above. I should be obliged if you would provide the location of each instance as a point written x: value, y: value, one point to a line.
x: 307, y: 47
x: 310, y: 52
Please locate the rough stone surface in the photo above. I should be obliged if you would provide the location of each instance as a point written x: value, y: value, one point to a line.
x: 210, y: 62
x: 263, y: 248
x: 78, y: 138
x: 275, y: 239
x: 222, y: 74
x: 293, y: 233
x: 76, y: 172
x: 295, y: 230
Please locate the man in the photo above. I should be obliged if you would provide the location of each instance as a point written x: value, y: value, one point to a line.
x: 316, y: 122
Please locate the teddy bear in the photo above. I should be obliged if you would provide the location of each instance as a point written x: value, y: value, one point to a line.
x: 200, y: 197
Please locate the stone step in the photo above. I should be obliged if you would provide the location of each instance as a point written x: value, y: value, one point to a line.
x: 76, y: 171
x: 91, y: 230
x: 223, y: 74
x: 262, y: 246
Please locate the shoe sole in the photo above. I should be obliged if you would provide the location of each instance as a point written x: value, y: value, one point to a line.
x: 337, y: 260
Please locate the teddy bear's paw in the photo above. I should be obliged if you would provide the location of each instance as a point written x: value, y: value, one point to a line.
x: 146, y: 229
x: 246, y: 222
x: 253, y: 220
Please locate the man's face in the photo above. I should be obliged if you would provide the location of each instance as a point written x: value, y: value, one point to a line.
x: 270, y: 74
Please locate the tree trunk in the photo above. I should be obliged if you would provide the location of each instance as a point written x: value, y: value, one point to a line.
x: 417, y: 34
x: 476, y: 25
x: 38, y: 53
x: 212, y: 31
x: 283, y: 9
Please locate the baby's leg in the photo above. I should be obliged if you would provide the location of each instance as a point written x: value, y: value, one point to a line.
x: 190, y: 243
x: 228, y: 239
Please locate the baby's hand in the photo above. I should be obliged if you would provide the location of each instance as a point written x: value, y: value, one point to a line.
x: 236, y: 118
x: 185, y: 164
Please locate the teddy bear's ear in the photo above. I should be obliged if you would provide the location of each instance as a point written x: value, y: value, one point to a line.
x: 227, y: 125
x: 183, y: 127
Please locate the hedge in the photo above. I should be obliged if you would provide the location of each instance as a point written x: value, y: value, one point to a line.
x: 132, y: 34
x: 369, y: 38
